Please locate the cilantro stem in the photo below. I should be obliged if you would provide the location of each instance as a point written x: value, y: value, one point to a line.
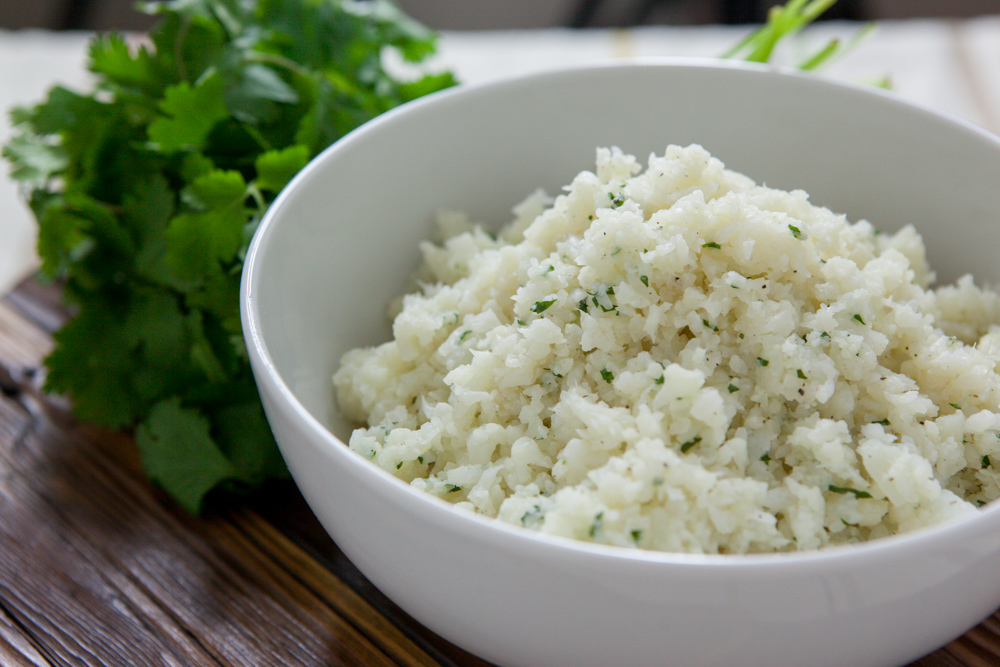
x: 257, y: 136
x: 782, y: 22
x: 258, y: 197
x: 823, y: 55
x: 277, y: 61
x: 182, y: 33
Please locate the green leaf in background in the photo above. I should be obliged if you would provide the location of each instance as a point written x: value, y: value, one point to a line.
x: 35, y: 162
x: 190, y: 113
x: 276, y: 168
x: 147, y: 191
x: 112, y: 59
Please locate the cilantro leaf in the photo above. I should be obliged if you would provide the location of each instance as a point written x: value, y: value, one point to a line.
x: 179, y: 453
x: 96, y: 375
x: 276, y: 168
x: 111, y: 58
x: 190, y: 113
x: 34, y: 161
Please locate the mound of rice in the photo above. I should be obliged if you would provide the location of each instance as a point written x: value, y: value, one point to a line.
x: 677, y: 359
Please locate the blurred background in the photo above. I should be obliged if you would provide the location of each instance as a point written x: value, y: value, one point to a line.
x: 510, y: 14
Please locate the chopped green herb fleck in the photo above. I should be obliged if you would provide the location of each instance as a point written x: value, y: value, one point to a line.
x: 542, y: 306
x: 532, y: 516
x: 690, y: 443
x: 859, y: 318
x: 550, y: 269
x: 741, y: 336
x: 596, y: 525
x: 607, y: 375
x: 583, y: 305
x: 607, y: 309
x: 420, y: 459
x: 452, y: 488
x: 657, y: 481
x: 800, y: 374
x: 711, y: 244
x: 762, y: 362
x: 883, y: 422
x: 765, y: 457
x: 617, y: 250
x: 399, y: 465
x: 521, y: 322
x: 636, y: 536
x: 644, y: 280
x: 825, y: 335
x: 796, y: 232
x: 986, y: 462
x: 846, y: 489
x: 956, y: 406
x: 660, y: 380
x: 553, y: 373
x: 733, y: 388
x: 464, y: 334
x: 980, y: 502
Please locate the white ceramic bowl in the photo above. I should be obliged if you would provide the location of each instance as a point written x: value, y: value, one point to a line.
x: 341, y: 240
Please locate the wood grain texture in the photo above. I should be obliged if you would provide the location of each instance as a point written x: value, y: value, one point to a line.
x: 99, y: 567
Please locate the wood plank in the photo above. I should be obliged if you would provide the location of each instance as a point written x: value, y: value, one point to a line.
x: 16, y: 647
x: 282, y: 507
x: 175, y: 582
x: 979, y: 647
x: 98, y: 568
x: 298, y: 572
x: 59, y: 595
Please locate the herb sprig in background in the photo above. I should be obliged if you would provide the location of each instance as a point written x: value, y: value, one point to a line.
x: 148, y: 189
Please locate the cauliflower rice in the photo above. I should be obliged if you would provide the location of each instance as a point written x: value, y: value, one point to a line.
x: 678, y: 359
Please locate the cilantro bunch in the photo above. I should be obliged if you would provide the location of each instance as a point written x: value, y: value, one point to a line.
x: 148, y: 189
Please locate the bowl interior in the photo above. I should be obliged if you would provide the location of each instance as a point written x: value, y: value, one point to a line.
x: 341, y: 241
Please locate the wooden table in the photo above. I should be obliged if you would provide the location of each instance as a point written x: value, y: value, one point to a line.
x: 99, y: 567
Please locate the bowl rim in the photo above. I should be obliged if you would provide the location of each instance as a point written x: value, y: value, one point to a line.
x: 949, y: 531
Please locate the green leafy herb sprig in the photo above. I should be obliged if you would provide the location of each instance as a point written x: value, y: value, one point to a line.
x: 783, y: 21
x: 148, y: 189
